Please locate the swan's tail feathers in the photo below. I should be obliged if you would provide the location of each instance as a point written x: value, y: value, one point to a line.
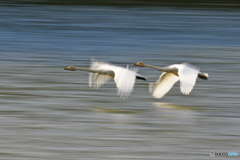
x: 138, y: 76
x: 204, y: 76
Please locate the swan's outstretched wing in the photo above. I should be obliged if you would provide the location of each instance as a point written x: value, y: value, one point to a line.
x: 162, y: 85
x: 123, y: 77
x: 96, y: 80
x: 125, y: 80
x: 188, y: 75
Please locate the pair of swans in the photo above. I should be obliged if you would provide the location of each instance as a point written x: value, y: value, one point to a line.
x: 101, y: 72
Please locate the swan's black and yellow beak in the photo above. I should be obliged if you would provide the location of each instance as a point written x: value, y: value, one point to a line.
x: 139, y: 64
x: 67, y: 68
x: 70, y: 68
x: 135, y: 64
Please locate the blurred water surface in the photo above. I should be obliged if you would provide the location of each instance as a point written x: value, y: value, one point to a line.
x: 49, y: 113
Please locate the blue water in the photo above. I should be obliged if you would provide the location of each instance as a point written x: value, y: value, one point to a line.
x: 49, y: 113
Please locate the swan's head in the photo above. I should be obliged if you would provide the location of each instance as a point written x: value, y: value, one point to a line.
x: 139, y: 64
x: 70, y: 68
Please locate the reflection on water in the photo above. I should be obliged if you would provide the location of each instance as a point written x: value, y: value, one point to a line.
x: 49, y: 113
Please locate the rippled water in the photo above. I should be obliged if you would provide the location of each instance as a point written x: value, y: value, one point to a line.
x: 49, y: 113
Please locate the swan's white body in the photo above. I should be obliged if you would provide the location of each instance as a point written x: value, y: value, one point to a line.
x: 187, y: 74
x: 123, y: 77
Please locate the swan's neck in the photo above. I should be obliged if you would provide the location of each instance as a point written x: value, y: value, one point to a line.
x: 106, y: 72
x: 163, y: 69
x: 86, y: 69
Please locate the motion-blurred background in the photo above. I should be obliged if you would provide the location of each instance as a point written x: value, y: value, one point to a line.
x: 49, y: 113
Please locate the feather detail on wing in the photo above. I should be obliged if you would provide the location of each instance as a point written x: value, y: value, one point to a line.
x: 188, y: 75
x: 162, y: 85
x: 96, y: 80
x: 125, y: 80
x: 123, y: 77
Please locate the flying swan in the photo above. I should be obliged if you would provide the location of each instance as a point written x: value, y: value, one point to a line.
x: 186, y: 73
x: 101, y: 72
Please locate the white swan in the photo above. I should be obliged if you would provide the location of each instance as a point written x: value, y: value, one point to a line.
x: 101, y: 72
x: 186, y: 73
